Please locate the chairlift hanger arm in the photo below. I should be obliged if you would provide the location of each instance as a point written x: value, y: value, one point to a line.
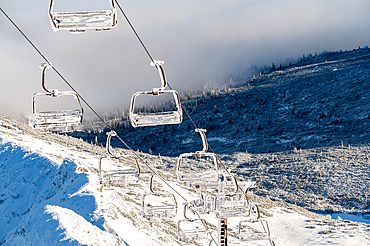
x: 202, y: 133
x: 108, y: 147
x: 44, y: 67
x: 158, y: 65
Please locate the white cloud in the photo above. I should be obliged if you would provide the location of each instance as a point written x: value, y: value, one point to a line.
x: 199, y: 41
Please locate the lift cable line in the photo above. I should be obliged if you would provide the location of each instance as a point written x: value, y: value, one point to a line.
x: 152, y: 60
x: 105, y: 123
x: 48, y: 62
x: 133, y: 29
x: 222, y: 220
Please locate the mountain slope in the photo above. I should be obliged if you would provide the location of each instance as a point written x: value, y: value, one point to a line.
x: 320, y: 102
x: 49, y: 196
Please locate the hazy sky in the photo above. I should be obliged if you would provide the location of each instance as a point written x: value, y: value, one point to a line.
x: 200, y: 41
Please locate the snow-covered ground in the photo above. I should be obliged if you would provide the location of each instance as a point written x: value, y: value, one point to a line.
x: 49, y: 195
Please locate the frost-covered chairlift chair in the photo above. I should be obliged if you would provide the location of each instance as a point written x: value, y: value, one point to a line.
x: 254, y: 229
x: 56, y: 120
x: 157, y: 204
x: 189, y: 230
x: 82, y: 20
x: 237, y: 204
x: 234, y: 203
x: 117, y: 176
x: 198, y: 178
x: 139, y: 119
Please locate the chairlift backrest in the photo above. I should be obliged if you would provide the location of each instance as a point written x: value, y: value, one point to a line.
x: 82, y: 20
x: 156, y: 118
x: 56, y: 120
x: 207, y: 178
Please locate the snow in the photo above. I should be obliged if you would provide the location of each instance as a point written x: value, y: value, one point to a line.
x: 49, y: 196
x: 78, y: 228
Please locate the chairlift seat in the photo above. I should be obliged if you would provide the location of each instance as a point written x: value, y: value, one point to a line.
x: 82, y: 20
x: 191, y: 230
x: 139, y: 119
x: 231, y: 206
x: 199, y: 178
x: 234, y: 203
x: 157, y: 118
x: 209, y: 178
x: 118, y: 176
x: 57, y: 120
x: 205, y: 205
x: 254, y: 230
x: 159, y: 205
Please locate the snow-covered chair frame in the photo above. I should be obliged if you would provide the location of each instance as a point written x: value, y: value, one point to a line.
x: 56, y: 120
x: 157, y: 204
x: 119, y: 175
x: 254, y: 230
x: 189, y: 230
x: 234, y: 203
x: 199, y: 178
x: 139, y: 119
x: 83, y: 20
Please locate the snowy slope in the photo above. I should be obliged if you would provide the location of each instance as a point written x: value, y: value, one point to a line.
x: 49, y: 196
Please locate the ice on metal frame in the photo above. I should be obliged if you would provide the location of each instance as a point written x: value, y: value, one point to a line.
x: 156, y: 118
x: 158, y: 204
x: 56, y: 120
x: 233, y: 203
x: 254, y: 230
x: 83, y: 20
x: 203, y: 178
x: 191, y: 229
x: 120, y: 175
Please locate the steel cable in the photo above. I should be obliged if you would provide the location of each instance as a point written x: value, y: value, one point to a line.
x: 92, y: 109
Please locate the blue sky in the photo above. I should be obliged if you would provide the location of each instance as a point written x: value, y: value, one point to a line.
x: 200, y: 42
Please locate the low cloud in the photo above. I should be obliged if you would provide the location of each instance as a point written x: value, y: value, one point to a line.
x: 200, y: 42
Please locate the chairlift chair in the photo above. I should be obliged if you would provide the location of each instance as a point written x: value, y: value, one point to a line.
x: 56, y: 120
x: 76, y: 22
x: 208, y: 178
x: 234, y: 203
x: 117, y: 176
x: 205, y: 204
x: 158, y: 205
x: 139, y: 119
x: 189, y: 230
x: 254, y: 230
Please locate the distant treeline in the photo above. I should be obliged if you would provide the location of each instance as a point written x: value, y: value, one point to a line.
x: 305, y: 59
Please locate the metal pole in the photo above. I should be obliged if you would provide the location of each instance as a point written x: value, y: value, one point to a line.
x: 222, y: 231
